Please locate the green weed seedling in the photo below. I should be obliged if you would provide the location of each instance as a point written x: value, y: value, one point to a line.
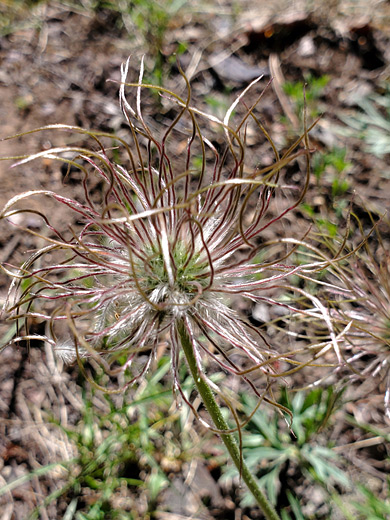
x: 301, y: 450
x: 372, y: 507
x: 148, y: 21
x: 369, y: 505
x: 334, y: 166
x: 295, y: 508
x: 306, y: 94
x: 152, y: 19
x: 371, y: 123
x: 219, y: 104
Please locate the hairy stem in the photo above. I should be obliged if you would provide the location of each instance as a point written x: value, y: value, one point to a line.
x: 216, y: 415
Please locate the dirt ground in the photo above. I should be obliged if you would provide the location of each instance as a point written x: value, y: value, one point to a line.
x: 56, y: 62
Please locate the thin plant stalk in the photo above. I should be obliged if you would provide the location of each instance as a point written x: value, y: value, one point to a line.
x: 219, y: 421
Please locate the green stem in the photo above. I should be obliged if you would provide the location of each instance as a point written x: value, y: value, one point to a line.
x: 216, y: 415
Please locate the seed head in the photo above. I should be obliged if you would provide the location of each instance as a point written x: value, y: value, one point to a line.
x: 172, y: 238
x: 362, y: 302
